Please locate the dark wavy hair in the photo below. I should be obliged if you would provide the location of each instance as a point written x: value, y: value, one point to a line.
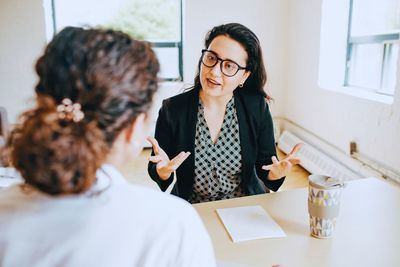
x: 112, y: 77
x: 250, y: 42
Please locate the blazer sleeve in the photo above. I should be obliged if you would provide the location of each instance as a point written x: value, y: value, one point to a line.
x: 266, y: 148
x: 163, y: 134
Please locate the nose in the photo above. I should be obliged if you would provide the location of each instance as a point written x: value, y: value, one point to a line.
x: 216, y: 70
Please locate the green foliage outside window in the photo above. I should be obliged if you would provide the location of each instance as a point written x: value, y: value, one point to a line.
x: 155, y: 20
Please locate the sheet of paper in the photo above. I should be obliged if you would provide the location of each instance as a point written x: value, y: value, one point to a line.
x: 9, y: 177
x: 249, y: 223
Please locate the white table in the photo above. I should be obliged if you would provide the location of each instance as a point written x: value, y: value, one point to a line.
x: 367, y: 232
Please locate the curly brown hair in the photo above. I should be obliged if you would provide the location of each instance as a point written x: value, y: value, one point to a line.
x: 112, y: 77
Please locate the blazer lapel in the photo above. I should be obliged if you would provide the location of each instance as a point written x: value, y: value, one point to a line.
x: 188, y: 134
x: 191, y: 120
x: 247, y: 138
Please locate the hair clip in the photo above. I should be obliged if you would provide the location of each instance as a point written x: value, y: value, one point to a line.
x: 68, y: 110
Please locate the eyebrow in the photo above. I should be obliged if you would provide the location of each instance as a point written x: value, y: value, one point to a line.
x: 225, y: 58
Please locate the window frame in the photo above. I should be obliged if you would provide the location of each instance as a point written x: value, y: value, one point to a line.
x: 385, y: 39
x: 164, y: 44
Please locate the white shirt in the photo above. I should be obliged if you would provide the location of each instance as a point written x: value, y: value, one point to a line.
x: 113, y: 224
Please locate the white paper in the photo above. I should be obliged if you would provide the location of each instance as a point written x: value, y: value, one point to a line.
x: 9, y: 176
x: 249, y: 223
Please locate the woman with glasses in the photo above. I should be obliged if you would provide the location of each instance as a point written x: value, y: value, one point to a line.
x: 220, y: 133
x: 76, y: 209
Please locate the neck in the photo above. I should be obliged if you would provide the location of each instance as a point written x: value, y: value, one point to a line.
x: 212, y: 102
x: 116, y: 162
x: 116, y: 156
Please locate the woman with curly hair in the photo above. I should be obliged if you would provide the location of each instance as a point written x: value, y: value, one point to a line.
x: 76, y: 209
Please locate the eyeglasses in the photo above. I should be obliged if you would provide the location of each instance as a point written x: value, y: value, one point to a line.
x: 228, y: 67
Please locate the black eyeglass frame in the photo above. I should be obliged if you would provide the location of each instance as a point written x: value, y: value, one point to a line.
x: 222, y: 61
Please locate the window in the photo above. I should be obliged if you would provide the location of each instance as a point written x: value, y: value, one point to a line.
x: 359, y: 45
x: 373, y: 45
x: 157, y: 21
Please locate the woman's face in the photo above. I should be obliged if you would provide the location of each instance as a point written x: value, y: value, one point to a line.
x: 213, y: 81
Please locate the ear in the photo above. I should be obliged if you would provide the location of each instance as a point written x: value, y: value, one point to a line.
x: 129, y: 142
x: 134, y: 131
x: 135, y: 135
x: 245, y: 76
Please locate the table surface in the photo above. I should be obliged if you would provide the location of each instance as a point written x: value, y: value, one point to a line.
x: 367, y: 231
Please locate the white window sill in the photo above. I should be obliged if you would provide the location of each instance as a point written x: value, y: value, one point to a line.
x: 363, y: 94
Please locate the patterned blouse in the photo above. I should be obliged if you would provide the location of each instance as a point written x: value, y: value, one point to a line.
x: 217, y: 166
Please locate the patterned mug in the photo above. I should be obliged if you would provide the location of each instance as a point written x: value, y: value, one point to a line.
x: 323, y: 204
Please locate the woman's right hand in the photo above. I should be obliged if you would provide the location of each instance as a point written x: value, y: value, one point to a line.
x: 165, y: 167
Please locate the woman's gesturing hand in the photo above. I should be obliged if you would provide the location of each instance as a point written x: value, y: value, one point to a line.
x: 280, y: 168
x: 165, y: 167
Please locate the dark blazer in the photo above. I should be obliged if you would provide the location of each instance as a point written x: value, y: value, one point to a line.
x: 176, y: 128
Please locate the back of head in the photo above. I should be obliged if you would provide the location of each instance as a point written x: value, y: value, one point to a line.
x: 92, y: 85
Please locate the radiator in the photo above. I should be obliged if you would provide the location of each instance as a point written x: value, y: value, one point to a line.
x: 314, y: 160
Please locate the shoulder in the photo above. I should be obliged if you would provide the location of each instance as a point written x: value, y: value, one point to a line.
x: 181, y: 100
x: 252, y: 100
x: 250, y: 96
x: 172, y: 221
x: 151, y: 202
x: 182, y: 232
x: 178, y: 217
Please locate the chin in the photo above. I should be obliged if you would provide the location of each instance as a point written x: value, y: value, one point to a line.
x: 213, y: 92
x: 217, y: 92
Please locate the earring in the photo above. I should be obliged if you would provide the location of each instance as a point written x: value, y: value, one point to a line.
x: 240, y: 85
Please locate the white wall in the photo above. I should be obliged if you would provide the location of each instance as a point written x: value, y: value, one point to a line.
x: 22, y: 39
x: 266, y: 18
x: 23, y: 36
x: 336, y: 118
x: 289, y: 32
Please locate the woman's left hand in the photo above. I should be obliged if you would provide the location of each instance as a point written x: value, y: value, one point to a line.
x: 280, y: 168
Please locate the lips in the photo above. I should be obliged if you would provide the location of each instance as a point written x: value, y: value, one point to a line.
x: 212, y: 82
